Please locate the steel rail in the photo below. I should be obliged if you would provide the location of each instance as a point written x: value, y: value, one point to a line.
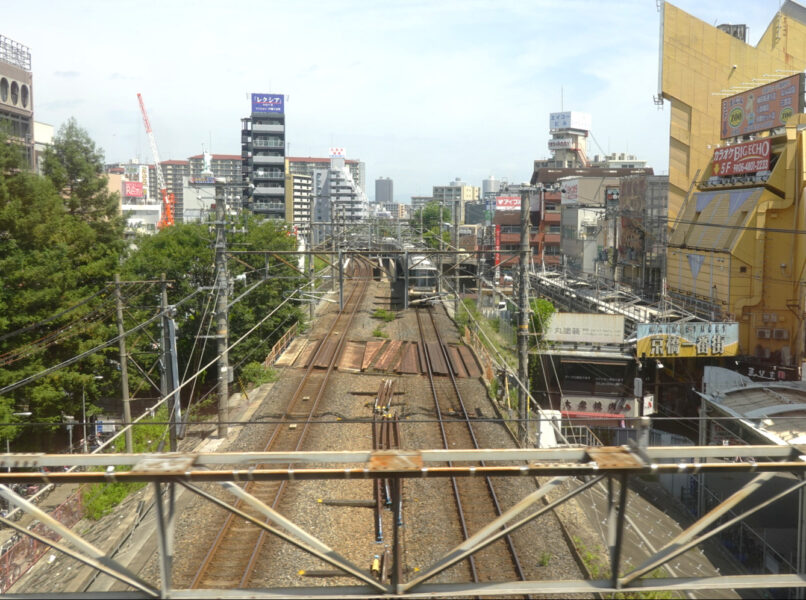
x: 226, y: 527
x: 466, y: 419
x: 476, y: 445
x: 443, y: 433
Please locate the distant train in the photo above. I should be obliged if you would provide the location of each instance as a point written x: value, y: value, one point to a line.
x: 422, y: 276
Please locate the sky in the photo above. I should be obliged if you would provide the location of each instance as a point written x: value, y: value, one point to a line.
x: 421, y: 91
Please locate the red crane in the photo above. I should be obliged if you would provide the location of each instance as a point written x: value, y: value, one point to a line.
x: 168, y: 201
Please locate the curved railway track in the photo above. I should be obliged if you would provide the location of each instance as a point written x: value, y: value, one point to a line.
x: 475, y: 498
x: 234, y: 554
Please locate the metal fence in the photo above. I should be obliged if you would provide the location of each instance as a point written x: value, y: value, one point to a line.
x: 18, y: 558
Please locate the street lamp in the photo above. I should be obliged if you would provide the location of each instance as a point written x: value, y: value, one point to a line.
x: 84, y: 416
x: 70, y: 421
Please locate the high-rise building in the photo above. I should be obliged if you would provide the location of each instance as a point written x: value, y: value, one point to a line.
x: 339, y: 198
x: 490, y: 187
x: 173, y: 171
x: 384, y: 191
x: 418, y: 202
x: 227, y: 166
x: 454, y: 196
x: 306, y: 165
x: 263, y: 156
x: 299, y: 202
x: 17, y: 96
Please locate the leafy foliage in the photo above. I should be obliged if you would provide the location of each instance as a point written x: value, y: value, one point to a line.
x: 60, y: 238
x: 255, y: 373
x: 430, y: 214
x: 541, y: 311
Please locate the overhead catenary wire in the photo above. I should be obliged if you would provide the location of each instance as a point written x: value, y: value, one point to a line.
x: 74, y: 359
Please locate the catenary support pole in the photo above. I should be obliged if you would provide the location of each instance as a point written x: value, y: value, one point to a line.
x: 165, y: 358
x: 406, y: 280
x: 523, y: 320
x: 341, y: 281
x: 456, y: 259
x: 124, y: 367
x: 222, y: 319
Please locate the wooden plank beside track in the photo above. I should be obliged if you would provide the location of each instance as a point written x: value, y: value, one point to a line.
x: 438, y: 365
x: 385, y: 362
x: 305, y: 356
x: 469, y: 359
x: 456, y: 362
x: 351, y: 357
x: 370, y: 352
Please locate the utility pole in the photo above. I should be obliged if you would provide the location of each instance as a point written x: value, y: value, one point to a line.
x: 124, y: 367
x: 405, y: 279
x: 523, y: 320
x: 456, y: 259
x: 222, y: 280
x: 341, y: 282
x: 479, y: 280
x: 165, y: 379
x: 311, y: 270
x: 441, y: 246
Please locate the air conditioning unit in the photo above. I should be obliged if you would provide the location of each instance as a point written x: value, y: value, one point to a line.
x: 763, y: 334
x: 780, y: 334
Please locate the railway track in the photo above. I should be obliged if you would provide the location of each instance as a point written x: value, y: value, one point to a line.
x: 475, y: 498
x: 236, y: 548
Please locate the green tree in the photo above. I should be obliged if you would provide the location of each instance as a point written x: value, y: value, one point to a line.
x: 541, y: 312
x: 184, y: 252
x: 430, y: 214
x: 75, y: 165
x: 50, y: 260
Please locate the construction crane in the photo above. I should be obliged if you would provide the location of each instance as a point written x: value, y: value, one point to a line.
x: 168, y: 201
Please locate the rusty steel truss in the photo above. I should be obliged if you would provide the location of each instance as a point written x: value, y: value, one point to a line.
x: 587, y: 467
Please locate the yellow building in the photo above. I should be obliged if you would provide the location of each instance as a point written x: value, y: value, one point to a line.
x: 734, y: 251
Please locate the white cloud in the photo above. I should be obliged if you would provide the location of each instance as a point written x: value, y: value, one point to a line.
x: 421, y: 91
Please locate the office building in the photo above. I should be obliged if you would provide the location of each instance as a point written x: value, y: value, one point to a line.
x: 17, y: 95
x: 418, y: 202
x: 299, y: 202
x: 263, y: 156
x: 306, y: 165
x: 338, y: 198
x: 384, y: 191
x: 454, y: 196
x: 730, y: 254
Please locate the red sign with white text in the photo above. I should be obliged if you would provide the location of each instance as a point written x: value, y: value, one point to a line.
x: 497, y: 245
x: 747, y: 157
x: 507, y: 203
x: 133, y: 189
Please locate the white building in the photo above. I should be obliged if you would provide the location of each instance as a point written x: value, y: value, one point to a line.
x: 337, y: 197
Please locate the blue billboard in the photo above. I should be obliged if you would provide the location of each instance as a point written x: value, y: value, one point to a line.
x: 267, y: 103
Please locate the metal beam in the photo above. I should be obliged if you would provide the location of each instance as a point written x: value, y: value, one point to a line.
x: 96, y: 558
x: 495, y: 530
x: 294, y: 535
x: 545, y: 456
x: 679, y: 545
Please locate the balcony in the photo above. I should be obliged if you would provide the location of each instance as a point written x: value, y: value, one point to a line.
x: 268, y: 143
x: 257, y: 128
x: 268, y: 207
x: 551, y: 238
x: 552, y: 218
x: 268, y: 160
x: 269, y: 191
x: 271, y: 175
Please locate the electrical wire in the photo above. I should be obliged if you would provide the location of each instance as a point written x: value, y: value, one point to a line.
x: 74, y: 359
x: 53, y: 317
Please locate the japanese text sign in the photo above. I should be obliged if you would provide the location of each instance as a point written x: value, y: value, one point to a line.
x: 659, y: 340
x: 762, y: 108
x: 267, y: 103
x: 748, y: 157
